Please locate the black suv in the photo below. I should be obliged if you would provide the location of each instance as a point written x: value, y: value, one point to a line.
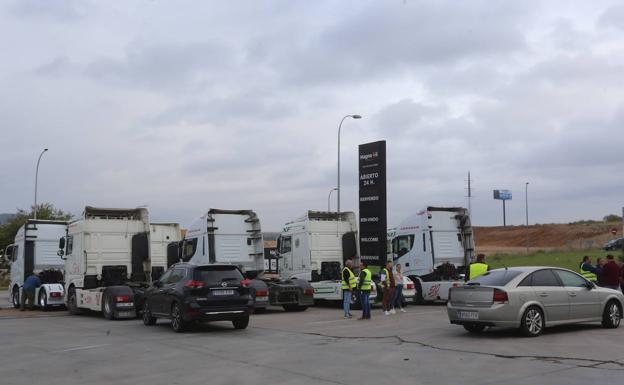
x: 187, y: 293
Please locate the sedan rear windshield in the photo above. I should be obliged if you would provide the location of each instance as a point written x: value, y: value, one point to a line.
x: 217, y: 274
x: 496, y: 278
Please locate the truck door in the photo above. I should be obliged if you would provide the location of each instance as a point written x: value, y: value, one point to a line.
x: 286, y: 252
x: 301, y: 252
x: 29, y: 258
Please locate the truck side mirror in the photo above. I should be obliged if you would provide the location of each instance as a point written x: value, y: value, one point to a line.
x: 62, y: 243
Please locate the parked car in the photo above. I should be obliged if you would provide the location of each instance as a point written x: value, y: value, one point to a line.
x: 409, y: 291
x: 195, y: 293
x: 614, y: 244
x: 532, y: 298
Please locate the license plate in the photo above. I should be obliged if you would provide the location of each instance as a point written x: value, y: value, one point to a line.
x: 468, y: 314
x: 223, y: 292
x: 124, y: 314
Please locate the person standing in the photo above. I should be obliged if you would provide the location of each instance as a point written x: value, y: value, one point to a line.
x: 397, y: 298
x: 348, y: 285
x: 588, y: 271
x: 611, y: 274
x: 28, y: 291
x: 478, y: 268
x: 600, y: 262
x: 364, y: 286
x: 387, y: 287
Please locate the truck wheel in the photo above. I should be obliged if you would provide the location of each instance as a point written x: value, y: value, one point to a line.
x: 15, y: 298
x: 43, y: 300
x: 418, y: 298
x: 177, y: 322
x: 241, y: 323
x: 293, y: 308
x: 148, y: 318
x: 72, y: 302
x: 108, y: 307
x: 612, y: 315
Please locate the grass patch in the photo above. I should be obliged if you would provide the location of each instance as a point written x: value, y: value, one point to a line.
x: 566, y: 259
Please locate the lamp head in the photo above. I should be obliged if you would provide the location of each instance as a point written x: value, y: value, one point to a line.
x: 356, y: 116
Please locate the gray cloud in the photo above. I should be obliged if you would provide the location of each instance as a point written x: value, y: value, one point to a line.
x: 60, y: 11
x: 238, y: 107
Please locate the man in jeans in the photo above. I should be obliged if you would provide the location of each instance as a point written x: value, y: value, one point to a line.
x: 348, y: 285
x: 28, y: 291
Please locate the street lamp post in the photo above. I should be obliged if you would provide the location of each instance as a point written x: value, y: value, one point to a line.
x: 329, y: 197
x: 36, y: 180
x: 339, y: 127
x: 526, y: 206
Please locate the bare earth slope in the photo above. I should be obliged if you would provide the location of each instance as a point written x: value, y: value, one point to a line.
x: 545, y: 237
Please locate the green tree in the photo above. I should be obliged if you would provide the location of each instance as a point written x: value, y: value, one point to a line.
x: 45, y: 211
x: 612, y: 218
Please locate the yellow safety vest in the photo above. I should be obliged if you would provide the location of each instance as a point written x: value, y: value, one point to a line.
x: 351, y: 284
x: 588, y: 275
x: 477, y: 269
x: 386, y: 282
x: 366, y: 282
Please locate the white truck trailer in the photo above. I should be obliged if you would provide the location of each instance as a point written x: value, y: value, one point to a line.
x: 314, y: 248
x: 107, y: 261
x: 434, y: 246
x: 34, y: 249
x: 235, y: 237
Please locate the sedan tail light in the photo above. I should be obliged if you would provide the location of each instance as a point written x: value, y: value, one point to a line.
x: 500, y: 296
x: 410, y: 286
x: 261, y: 293
x: 193, y: 284
x: 308, y: 291
x: 55, y: 294
x: 245, y: 282
x: 122, y: 298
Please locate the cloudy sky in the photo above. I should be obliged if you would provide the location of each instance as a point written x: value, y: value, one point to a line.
x: 187, y: 105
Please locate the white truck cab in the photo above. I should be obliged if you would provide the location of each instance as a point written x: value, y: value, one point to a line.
x: 107, y: 260
x: 34, y: 249
x: 434, y: 246
x: 235, y: 237
x: 315, y: 246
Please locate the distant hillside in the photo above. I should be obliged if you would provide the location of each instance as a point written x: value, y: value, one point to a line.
x: 4, y: 218
x: 574, y: 236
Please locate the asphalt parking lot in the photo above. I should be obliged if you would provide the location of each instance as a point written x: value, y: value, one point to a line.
x: 312, y: 347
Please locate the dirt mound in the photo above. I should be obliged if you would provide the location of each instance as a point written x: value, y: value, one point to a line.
x: 547, y: 237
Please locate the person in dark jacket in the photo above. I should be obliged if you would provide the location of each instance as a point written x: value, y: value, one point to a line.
x: 28, y: 291
x: 599, y: 264
x: 611, y: 273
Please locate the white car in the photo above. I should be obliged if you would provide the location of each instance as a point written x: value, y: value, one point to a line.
x: 409, y: 290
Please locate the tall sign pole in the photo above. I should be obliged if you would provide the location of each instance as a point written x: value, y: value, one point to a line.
x: 503, y: 195
x: 373, y: 220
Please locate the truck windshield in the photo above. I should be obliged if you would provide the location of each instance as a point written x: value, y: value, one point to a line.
x: 217, y: 274
x: 495, y: 278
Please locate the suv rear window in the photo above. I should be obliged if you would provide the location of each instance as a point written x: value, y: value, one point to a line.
x: 217, y: 274
x: 496, y: 277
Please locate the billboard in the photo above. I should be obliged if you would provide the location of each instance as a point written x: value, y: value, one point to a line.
x: 373, y: 222
x: 503, y: 195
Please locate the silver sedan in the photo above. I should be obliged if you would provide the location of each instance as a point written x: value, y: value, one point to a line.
x: 532, y: 298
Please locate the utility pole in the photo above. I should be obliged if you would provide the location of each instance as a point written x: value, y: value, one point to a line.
x: 469, y: 195
x: 526, y: 203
